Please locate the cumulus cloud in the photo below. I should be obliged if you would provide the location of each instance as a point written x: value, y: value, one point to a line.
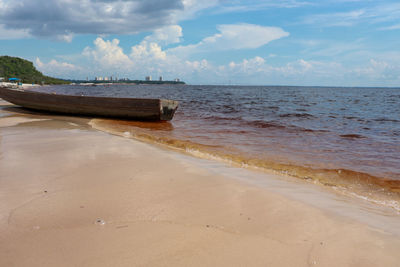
x: 61, y: 18
x: 55, y: 64
x: 257, y: 70
x: 253, y: 65
x: 310, y: 72
x: 198, y: 65
x: 258, y: 65
x: 107, y: 53
x: 166, y: 35
x: 150, y: 54
x: 147, y: 51
x: 145, y: 58
x: 378, y: 70
x: 233, y: 37
x: 149, y: 57
x: 57, y: 69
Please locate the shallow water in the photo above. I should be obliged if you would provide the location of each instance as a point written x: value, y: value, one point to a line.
x: 341, y: 137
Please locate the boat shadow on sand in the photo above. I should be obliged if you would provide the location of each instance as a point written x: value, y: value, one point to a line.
x: 150, y: 125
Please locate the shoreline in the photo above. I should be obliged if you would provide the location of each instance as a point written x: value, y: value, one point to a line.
x: 356, y: 160
x: 377, y: 190
x: 72, y: 195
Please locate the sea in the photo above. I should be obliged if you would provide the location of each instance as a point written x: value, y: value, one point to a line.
x: 343, y: 138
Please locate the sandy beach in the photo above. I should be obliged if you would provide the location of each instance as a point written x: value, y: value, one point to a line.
x: 74, y: 196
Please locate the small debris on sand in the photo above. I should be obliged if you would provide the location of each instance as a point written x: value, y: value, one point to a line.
x: 100, y: 222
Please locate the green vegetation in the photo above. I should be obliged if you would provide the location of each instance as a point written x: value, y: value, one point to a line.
x: 14, y: 67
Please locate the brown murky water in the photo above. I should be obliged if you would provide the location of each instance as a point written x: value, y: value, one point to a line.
x: 341, y: 137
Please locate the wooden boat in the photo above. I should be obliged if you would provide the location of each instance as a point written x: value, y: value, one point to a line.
x: 128, y: 108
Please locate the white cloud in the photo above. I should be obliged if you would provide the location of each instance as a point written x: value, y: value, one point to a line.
x: 192, y: 7
x: 392, y: 27
x: 8, y: 34
x: 149, y: 58
x: 107, y: 53
x: 166, y: 35
x: 146, y: 58
x: 257, y: 65
x: 336, y: 19
x: 55, y: 64
x: 233, y: 37
x: 257, y: 5
x: 379, y: 13
x: 300, y: 72
x: 252, y: 65
x: 309, y: 72
x: 197, y: 65
x: 300, y: 66
x: 57, y: 69
x: 147, y: 51
x: 378, y: 70
x: 67, y: 37
x: 333, y: 49
x: 243, y: 36
x: 61, y: 19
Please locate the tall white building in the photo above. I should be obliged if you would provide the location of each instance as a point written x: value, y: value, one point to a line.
x: 148, y: 78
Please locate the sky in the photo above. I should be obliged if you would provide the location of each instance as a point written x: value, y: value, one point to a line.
x: 253, y: 42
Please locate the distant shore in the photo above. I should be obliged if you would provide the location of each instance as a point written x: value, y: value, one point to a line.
x: 23, y: 85
x: 83, y: 82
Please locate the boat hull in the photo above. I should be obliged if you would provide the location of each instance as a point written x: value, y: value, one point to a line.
x: 129, y: 108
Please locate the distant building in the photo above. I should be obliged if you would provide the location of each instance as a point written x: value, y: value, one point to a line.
x: 106, y: 78
x: 98, y: 78
x: 148, y: 78
x: 177, y: 80
x: 161, y: 78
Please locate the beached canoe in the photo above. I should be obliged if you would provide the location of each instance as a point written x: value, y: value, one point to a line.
x: 129, y: 108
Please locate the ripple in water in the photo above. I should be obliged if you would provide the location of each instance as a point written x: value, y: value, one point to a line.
x: 329, y: 134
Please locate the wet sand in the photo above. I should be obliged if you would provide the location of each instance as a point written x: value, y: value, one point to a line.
x: 73, y: 196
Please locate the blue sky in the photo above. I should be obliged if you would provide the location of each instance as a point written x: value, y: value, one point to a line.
x: 326, y: 42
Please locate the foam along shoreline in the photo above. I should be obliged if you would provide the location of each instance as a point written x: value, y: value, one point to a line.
x: 70, y: 195
x: 378, y: 190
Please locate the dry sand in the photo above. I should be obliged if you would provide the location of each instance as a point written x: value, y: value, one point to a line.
x: 72, y: 196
